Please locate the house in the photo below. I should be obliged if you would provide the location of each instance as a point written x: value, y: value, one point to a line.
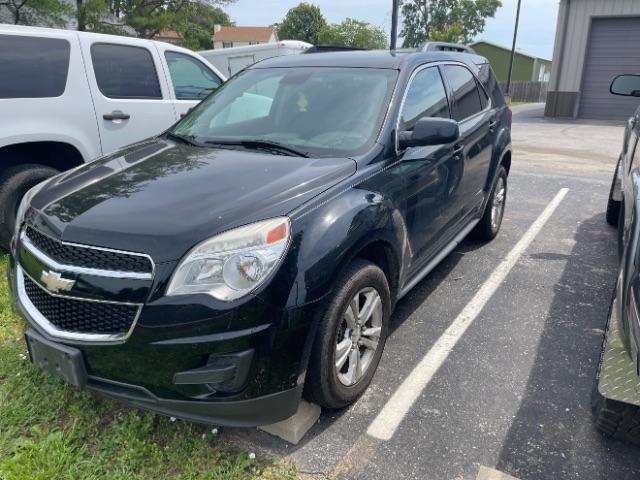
x: 596, y: 40
x: 227, y: 37
x: 526, y: 67
x: 169, y: 36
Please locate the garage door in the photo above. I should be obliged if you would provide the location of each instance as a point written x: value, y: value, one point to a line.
x: 613, y: 49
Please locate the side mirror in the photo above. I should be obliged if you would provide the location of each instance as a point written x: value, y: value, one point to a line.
x: 430, y: 131
x: 626, y: 85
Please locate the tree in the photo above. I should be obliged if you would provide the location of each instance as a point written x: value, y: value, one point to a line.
x: 50, y: 13
x: 303, y: 22
x: 146, y: 18
x: 457, y: 21
x: 195, y: 25
x: 353, y: 33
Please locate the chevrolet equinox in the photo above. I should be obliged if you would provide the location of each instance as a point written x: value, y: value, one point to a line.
x: 254, y: 252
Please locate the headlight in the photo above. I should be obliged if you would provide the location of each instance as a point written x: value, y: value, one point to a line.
x: 232, y: 264
x: 25, y: 203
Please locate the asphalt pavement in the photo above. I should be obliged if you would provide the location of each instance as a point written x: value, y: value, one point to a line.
x: 512, y: 392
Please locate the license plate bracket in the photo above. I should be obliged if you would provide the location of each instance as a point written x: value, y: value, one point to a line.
x: 62, y: 361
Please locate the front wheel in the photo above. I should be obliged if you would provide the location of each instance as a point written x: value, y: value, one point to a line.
x: 14, y: 183
x: 489, y: 225
x: 350, y: 337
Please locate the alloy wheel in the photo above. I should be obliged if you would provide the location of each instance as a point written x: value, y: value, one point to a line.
x: 497, y: 204
x: 358, y: 336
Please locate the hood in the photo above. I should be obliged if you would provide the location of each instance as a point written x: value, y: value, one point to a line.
x: 161, y: 197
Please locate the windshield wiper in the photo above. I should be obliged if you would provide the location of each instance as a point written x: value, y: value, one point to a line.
x: 185, y: 139
x: 260, y: 145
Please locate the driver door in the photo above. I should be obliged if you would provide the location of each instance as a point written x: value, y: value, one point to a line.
x: 432, y: 174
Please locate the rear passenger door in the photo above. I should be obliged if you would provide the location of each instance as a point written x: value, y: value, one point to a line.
x: 131, y: 99
x: 472, y: 109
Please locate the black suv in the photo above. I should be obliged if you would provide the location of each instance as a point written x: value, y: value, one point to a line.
x: 616, y: 396
x: 257, y: 249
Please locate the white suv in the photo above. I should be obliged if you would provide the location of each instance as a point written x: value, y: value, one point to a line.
x: 68, y: 97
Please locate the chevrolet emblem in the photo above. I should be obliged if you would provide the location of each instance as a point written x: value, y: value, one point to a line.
x: 55, y: 283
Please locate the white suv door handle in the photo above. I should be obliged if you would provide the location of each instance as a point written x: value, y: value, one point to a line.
x: 116, y: 115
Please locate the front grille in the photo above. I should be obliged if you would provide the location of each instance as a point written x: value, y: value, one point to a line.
x: 88, y: 257
x: 81, y: 316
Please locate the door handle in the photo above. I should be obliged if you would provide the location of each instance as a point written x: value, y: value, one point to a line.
x: 116, y: 115
x: 492, y: 125
x: 457, y: 150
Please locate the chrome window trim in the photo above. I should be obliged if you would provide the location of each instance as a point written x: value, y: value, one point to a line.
x: 55, y: 265
x: 42, y: 322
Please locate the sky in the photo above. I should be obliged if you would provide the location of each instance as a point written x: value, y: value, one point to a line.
x: 535, y: 36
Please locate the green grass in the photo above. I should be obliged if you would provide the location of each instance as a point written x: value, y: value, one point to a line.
x: 49, y: 430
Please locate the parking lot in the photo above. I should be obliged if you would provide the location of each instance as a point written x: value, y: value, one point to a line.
x: 513, y: 393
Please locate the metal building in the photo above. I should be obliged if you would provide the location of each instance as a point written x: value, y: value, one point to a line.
x: 595, y: 41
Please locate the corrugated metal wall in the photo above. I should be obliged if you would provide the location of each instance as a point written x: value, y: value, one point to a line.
x: 577, y: 37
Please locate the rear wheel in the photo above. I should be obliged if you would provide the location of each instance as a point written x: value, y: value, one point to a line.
x: 613, y: 206
x: 350, y: 338
x: 489, y: 225
x: 14, y: 183
x: 615, y: 419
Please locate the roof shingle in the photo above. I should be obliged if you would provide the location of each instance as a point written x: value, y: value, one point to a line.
x: 243, y: 34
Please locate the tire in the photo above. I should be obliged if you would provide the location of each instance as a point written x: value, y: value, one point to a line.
x: 326, y: 384
x: 613, y: 206
x: 14, y: 183
x: 489, y: 226
x: 615, y: 419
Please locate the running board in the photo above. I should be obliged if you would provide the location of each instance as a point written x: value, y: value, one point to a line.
x: 437, y: 259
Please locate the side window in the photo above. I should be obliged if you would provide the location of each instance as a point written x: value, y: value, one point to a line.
x: 426, y: 97
x: 32, y: 67
x: 465, y: 91
x: 491, y: 85
x: 123, y: 71
x: 192, y: 79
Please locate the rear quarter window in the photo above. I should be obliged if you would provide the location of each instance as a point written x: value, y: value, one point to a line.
x: 33, y: 67
x: 491, y: 85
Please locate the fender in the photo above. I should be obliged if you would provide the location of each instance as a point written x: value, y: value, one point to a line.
x: 87, y: 151
x: 337, y: 232
x: 333, y: 233
x: 501, y: 147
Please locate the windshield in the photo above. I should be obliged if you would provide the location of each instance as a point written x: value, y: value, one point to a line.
x: 318, y: 111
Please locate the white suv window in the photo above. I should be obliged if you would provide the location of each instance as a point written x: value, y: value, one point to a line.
x: 123, y: 71
x: 192, y: 80
x: 32, y: 67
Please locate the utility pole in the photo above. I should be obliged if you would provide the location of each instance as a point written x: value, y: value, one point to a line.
x: 513, y: 50
x: 394, y: 23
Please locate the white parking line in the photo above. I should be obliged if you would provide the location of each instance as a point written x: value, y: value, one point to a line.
x: 385, y: 424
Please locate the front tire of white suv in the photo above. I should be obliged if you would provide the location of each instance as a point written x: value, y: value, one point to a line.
x: 14, y: 183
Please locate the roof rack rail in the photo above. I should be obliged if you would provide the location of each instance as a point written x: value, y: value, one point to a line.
x: 446, y: 47
x: 331, y: 48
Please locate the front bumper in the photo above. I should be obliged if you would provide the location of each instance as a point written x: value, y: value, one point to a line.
x: 157, y: 368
